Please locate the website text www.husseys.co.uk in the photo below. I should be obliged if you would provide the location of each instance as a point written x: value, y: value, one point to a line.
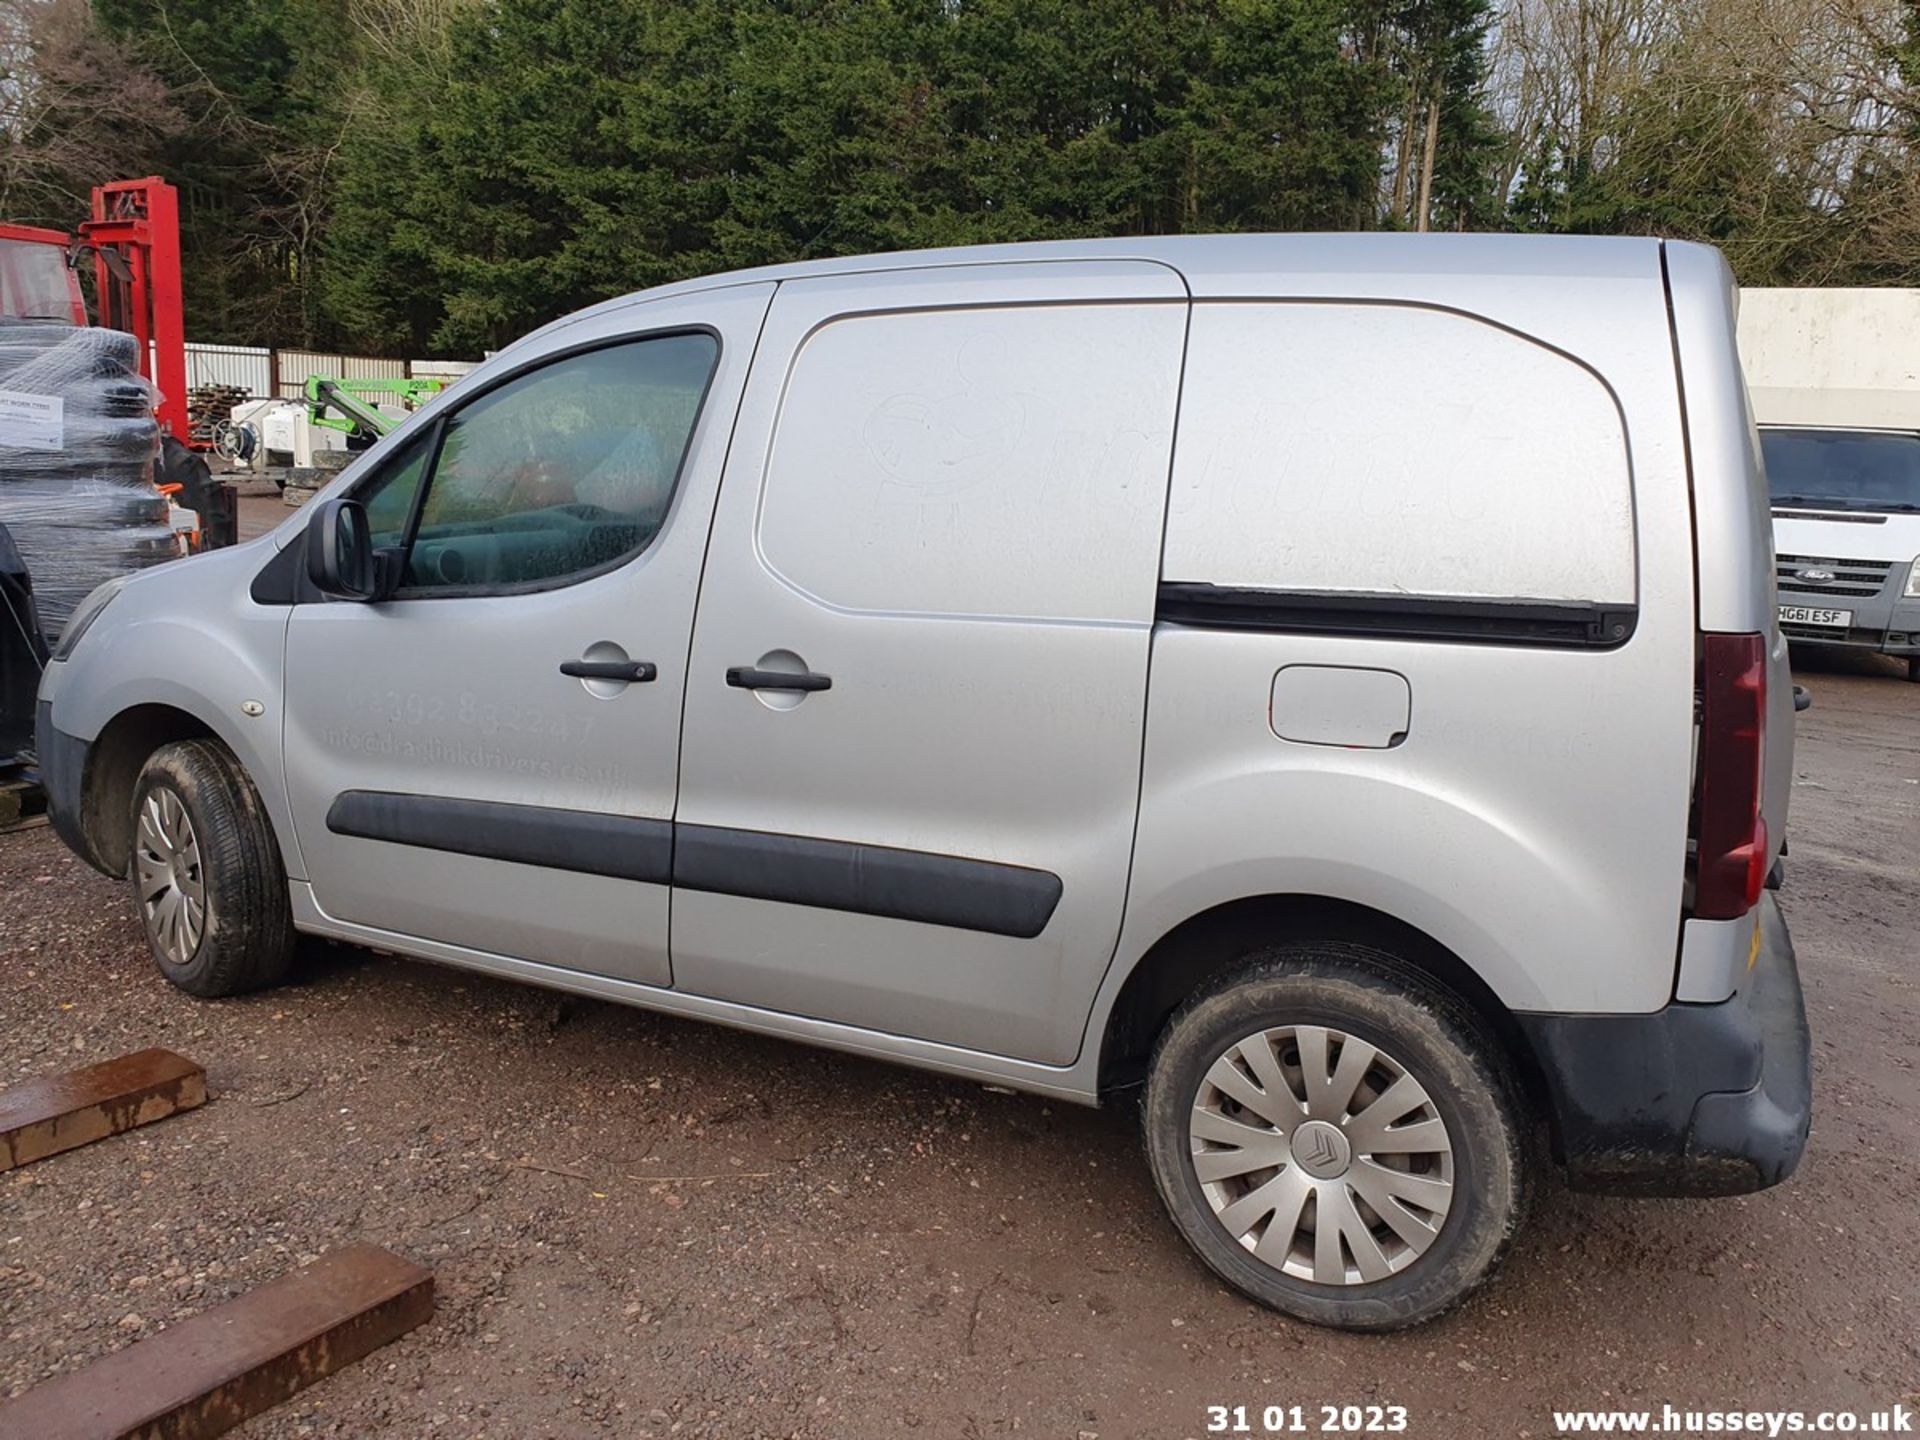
x: 1676, y: 1420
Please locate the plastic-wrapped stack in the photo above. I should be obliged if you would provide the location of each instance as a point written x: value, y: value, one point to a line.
x: 78, y: 441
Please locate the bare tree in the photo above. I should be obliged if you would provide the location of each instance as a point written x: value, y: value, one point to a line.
x: 76, y: 109
x: 1785, y: 130
x: 1564, y: 71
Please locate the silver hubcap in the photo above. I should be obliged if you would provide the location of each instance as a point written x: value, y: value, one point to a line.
x: 1322, y: 1155
x: 166, y: 867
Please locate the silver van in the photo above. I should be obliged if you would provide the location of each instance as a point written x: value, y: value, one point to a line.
x: 1331, y: 682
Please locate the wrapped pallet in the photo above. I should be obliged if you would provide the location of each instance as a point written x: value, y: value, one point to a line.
x: 78, y: 442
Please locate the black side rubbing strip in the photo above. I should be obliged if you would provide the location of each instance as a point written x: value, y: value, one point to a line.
x: 620, y: 846
x: 827, y: 874
x: 866, y: 879
x: 1569, y: 624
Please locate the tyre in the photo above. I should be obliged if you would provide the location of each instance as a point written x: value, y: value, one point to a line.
x: 183, y: 467
x: 206, y: 872
x: 1336, y: 1140
x: 1913, y: 669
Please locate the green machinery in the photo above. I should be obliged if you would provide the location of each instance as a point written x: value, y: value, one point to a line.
x: 350, y: 405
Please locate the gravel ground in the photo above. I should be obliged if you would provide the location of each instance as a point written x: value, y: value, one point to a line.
x: 643, y: 1226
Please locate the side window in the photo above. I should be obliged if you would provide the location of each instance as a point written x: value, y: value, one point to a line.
x: 389, y: 500
x: 993, y: 463
x: 561, y: 471
x: 1396, y: 450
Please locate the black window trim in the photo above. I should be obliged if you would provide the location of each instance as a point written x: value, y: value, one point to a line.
x: 410, y: 531
x: 1473, y: 620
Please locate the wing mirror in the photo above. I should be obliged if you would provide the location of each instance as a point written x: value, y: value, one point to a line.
x: 341, y: 559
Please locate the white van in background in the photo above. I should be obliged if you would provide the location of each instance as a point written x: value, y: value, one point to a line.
x: 1834, y: 377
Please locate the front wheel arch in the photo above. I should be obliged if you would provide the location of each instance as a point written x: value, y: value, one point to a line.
x: 114, y: 762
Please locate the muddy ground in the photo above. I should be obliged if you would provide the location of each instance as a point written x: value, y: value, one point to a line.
x: 644, y: 1226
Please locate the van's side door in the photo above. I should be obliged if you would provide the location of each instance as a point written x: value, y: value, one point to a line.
x: 911, y: 760
x: 469, y: 763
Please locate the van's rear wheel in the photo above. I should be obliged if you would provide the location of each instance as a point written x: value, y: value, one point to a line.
x: 1335, y: 1143
x: 206, y: 871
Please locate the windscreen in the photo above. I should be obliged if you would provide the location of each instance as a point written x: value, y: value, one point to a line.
x: 1843, y: 469
x: 34, y: 284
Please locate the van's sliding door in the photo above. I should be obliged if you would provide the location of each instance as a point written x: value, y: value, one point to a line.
x: 942, y: 512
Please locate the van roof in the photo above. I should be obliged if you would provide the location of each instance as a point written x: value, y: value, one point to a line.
x: 1218, y: 266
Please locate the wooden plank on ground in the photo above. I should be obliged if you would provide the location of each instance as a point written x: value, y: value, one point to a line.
x: 22, y: 801
x: 42, y: 1117
x: 206, y: 1375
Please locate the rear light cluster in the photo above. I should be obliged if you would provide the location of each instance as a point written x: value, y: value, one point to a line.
x: 1733, y: 856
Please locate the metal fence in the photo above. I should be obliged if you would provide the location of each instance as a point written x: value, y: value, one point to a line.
x: 294, y: 367
x: 262, y: 373
x: 447, y: 370
x: 244, y: 367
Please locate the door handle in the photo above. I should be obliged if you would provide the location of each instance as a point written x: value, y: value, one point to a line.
x: 745, y: 677
x: 631, y: 671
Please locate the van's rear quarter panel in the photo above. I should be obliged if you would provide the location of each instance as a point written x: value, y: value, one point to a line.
x: 1732, y: 510
x: 1534, y: 819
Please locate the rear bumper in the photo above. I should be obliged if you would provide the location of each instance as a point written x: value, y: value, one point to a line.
x: 1690, y: 1100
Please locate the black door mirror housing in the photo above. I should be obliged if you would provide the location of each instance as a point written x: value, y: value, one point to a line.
x: 342, y: 562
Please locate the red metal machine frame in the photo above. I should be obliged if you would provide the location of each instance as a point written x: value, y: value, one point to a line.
x: 57, y: 240
x: 135, y: 235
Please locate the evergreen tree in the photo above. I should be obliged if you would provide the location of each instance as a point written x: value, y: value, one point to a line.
x: 254, y: 81
x: 579, y: 149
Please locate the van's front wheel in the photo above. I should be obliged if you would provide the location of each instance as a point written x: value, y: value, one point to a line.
x: 206, y: 871
x: 1335, y: 1144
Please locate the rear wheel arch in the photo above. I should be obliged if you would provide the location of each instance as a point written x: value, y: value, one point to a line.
x: 1209, y: 945
x: 1336, y: 1142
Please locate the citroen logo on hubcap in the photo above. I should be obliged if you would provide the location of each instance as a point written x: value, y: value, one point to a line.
x: 1321, y: 1150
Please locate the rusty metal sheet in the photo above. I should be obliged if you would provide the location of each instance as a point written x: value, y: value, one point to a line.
x: 42, y: 1117
x: 206, y: 1375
